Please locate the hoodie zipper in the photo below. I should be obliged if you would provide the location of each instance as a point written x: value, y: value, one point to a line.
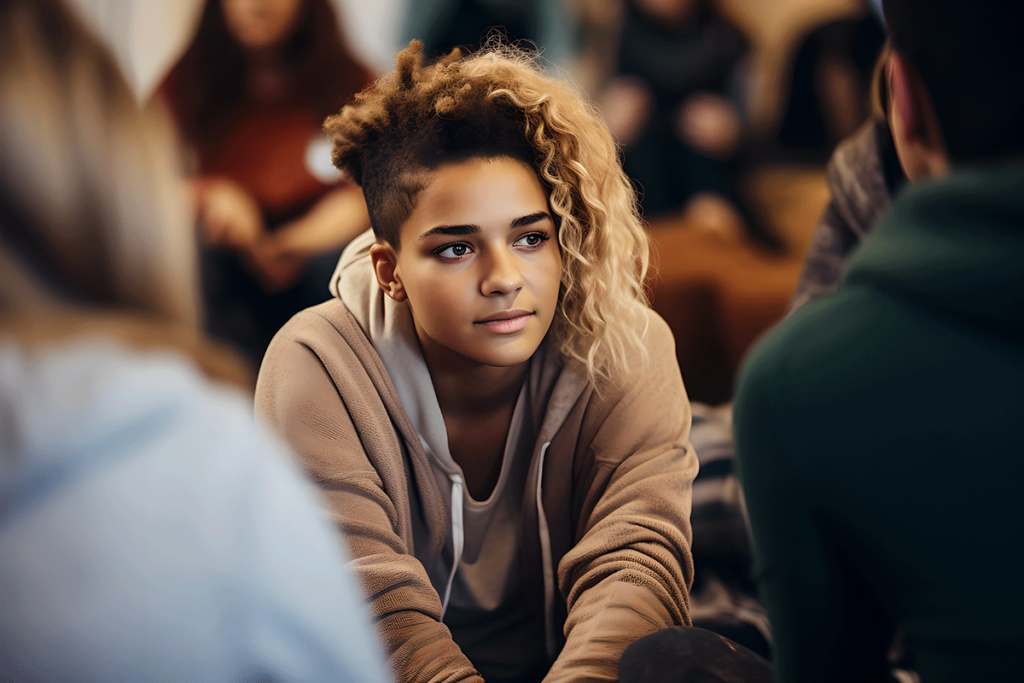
x: 458, y: 536
x: 545, y: 554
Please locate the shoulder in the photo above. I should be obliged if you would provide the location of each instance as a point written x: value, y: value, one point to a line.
x: 325, y: 338
x: 167, y: 479
x: 645, y: 402
x: 319, y: 353
x: 810, y: 363
x: 101, y: 384
x: 327, y: 323
x: 88, y: 411
x: 657, y: 365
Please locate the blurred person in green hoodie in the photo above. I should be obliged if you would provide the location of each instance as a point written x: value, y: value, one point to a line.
x: 878, y: 428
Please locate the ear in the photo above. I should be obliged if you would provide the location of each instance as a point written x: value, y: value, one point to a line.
x: 385, y: 267
x: 912, y: 120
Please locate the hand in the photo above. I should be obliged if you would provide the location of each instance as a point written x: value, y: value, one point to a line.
x: 275, y: 264
x: 228, y: 215
x: 710, y: 124
x: 626, y: 104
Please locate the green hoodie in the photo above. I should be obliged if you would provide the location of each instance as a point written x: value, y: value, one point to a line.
x: 880, y: 437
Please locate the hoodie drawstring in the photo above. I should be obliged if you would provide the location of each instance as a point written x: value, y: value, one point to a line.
x: 545, y: 555
x: 458, y: 537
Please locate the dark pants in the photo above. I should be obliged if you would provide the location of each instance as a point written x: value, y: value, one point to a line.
x: 239, y: 311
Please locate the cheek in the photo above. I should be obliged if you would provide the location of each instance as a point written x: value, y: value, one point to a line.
x: 549, y: 276
x: 438, y: 299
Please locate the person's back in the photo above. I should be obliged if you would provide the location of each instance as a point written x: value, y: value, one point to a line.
x: 149, y: 530
x: 879, y: 428
x: 894, y: 412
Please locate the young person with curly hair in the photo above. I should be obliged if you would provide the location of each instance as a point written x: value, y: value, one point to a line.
x: 491, y: 408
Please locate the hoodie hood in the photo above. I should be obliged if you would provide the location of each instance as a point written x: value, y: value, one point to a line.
x: 955, y: 246
x: 388, y: 325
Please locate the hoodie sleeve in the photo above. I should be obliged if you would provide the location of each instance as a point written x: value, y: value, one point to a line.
x: 630, y: 572
x: 315, y: 400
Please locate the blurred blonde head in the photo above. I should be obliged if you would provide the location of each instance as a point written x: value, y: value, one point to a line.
x: 93, y: 210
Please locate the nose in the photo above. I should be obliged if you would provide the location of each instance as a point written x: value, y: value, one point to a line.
x: 501, y: 273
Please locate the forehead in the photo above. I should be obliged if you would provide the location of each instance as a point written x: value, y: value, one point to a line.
x: 480, y: 192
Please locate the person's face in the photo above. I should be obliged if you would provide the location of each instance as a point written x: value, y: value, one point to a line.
x: 261, y: 24
x: 479, y: 264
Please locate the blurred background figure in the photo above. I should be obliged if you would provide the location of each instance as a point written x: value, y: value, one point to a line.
x: 250, y: 95
x: 149, y: 530
x: 675, y: 104
x: 828, y: 92
x: 726, y: 267
x: 443, y: 24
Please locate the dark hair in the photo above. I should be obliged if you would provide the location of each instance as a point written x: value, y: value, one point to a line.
x: 412, y: 137
x: 211, y: 74
x: 969, y: 56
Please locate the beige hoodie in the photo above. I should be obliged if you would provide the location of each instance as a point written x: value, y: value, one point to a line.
x: 608, y: 490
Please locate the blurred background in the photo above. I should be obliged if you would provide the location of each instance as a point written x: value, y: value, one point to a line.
x: 726, y: 111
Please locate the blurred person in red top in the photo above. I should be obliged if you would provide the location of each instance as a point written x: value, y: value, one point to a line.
x: 250, y: 95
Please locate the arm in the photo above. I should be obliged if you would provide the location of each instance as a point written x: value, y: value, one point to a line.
x: 826, y: 625
x: 228, y: 215
x: 630, y: 572
x: 297, y: 394
x: 328, y: 225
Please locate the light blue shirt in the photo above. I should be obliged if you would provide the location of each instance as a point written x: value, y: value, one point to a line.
x: 151, y: 530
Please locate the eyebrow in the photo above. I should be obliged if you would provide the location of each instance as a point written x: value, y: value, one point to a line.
x: 470, y: 229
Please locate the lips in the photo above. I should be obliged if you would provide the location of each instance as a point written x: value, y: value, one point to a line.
x: 506, y: 322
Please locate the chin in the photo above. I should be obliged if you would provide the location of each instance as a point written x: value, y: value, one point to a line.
x: 511, y: 355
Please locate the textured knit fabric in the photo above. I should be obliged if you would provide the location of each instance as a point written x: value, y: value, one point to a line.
x: 862, y: 175
x: 150, y: 531
x: 879, y: 436
x: 613, y: 469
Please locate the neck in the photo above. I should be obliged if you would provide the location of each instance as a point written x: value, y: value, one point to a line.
x: 468, y: 389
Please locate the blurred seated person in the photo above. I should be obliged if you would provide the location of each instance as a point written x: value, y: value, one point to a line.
x: 674, y: 106
x: 878, y: 428
x: 864, y: 174
x: 829, y: 84
x: 250, y: 95
x: 149, y: 530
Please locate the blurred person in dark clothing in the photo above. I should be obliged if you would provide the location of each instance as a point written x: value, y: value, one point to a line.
x: 250, y: 95
x: 674, y: 104
x: 878, y: 427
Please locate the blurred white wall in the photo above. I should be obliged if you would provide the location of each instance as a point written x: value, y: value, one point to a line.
x: 146, y: 36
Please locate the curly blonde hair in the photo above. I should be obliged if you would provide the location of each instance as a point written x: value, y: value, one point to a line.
x: 499, y: 102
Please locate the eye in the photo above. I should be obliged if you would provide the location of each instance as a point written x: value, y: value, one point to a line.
x: 532, y: 240
x: 453, y: 251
